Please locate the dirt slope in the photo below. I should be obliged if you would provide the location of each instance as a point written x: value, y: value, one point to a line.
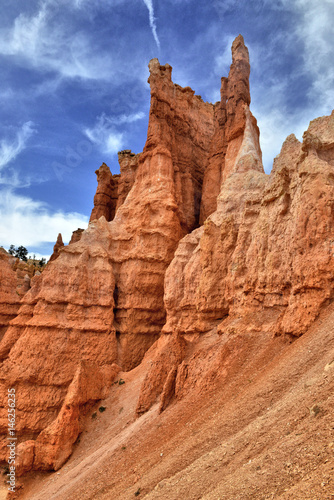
x: 265, y: 432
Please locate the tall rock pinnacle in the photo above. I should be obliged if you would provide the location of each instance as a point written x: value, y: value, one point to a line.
x: 236, y: 132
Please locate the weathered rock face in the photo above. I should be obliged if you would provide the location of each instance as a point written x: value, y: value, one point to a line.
x: 262, y: 262
x: 66, y: 318
x: 76, y: 236
x: 265, y: 256
x: 101, y: 300
x: 14, y: 283
x: 182, y: 123
x: 158, y: 202
x: 56, y: 249
x: 105, y: 199
x: 128, y: 163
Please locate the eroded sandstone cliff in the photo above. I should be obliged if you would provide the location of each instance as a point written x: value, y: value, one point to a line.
x: 191, y: 241
x: 263, y: 261
x: 15, y: 278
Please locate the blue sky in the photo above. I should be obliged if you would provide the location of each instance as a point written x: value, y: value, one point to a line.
x: 73, y: 89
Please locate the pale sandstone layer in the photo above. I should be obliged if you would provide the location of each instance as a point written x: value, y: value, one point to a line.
x: 268, y: 247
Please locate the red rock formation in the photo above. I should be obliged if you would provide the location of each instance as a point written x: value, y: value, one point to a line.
x: 55, y: 443
x: 105, y: 199
x: 168, y: 353
x: 105, y: 292
x: 66, y: 318
x: 261, y: 262
x: 76, y: 235
x: 233, y: 121
x: 111, y: 281
x: 56, y: 249
x: 266, y: 250
x: 128, y: 162
x: 182, y: 123
x: 14, y: 283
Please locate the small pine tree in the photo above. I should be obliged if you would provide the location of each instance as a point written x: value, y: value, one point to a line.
x: 12, y: 250
x: 21, y: 252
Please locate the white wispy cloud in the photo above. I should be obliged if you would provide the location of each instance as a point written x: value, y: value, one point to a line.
x: 41, y: 42
x: 105, y: 136
x: 149, y: 5
x: 128, y: 118
x: 31, y: 223
x: 10, y: 149
x: 275, y: 126
x: 104, y: 133
x: 224, y: 6
x: 315, y: 31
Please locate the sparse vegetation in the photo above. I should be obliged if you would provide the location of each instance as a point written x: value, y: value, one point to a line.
x: 94, y: 415
x: 20, y: 252
x: 102, y: 409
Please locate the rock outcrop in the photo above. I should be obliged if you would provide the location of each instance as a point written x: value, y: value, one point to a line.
x: 101, y: 300
x: 65, y: 319
x: 57, y: 247
x: 264, y: 260
x: 267, y: 248
x: 105, y: 199
x: 76, y: 235
x: 15, y: 279
x: 128, y: 163
x: 233, y: 123
x: 191, y: 238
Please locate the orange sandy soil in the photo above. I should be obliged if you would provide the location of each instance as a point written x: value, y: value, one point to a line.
x: 264, y: 432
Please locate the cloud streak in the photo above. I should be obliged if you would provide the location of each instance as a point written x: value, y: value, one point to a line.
x: 149, y: 5
x: 104, y: 133
x: 39, y: 41
x: 9, y: 150
x: 315, y: 30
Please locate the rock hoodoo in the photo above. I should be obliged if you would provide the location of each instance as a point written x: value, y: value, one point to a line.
x: 236, y: 133
x: 76, y: 235
x: 105, y: 199
x: 56, y: 249
x: 192, y: 238
x: 128, y: 163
